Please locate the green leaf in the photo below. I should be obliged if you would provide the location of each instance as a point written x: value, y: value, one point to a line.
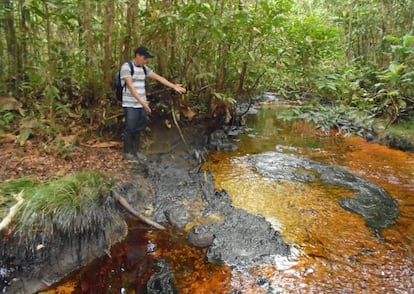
x: 24, y: 135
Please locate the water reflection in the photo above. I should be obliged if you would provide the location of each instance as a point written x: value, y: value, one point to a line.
x: 339, y: 252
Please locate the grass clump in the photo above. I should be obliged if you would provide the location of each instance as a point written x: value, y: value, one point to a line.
x: 75, y: 204
x: 8, y: 190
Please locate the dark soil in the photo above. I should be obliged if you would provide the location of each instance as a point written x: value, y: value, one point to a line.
x: 164, y: 188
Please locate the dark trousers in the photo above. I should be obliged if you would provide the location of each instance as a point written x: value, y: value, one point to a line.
x: 135, y: 122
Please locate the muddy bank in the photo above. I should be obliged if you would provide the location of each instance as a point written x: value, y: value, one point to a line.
x: 43, y: 250
x: 171, y: 189
x: 168, y: 188
x: 186, y: 198
x: 397, y: 141
x: 28, y: 268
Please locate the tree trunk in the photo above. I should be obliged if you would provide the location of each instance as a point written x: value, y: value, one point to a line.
x: 241, y: 79
x: 51, y: 60
x: 166, y: 45
x: 108, y: 28
x: 349, y: 49
x: 131, y: 30
x: 89, y: 46
x: 12, y: 46
x: 3, y: 87
x: 24, y: 12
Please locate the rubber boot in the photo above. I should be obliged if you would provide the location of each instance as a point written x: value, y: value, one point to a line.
x: 135, y: 148
x: 129, y: 148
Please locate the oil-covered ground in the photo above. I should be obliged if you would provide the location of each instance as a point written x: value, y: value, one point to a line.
x: 209, y: 240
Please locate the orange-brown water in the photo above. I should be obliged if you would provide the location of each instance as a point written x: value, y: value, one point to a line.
x: 334, y: 251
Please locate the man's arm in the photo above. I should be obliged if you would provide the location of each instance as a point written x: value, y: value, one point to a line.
x: 177, y: 87
x: 145, y: 104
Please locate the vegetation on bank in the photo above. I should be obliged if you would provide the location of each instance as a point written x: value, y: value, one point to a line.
x: 58, y: 58
x: 351, y: 120
x: 59, y: 209
x: 399, y: 135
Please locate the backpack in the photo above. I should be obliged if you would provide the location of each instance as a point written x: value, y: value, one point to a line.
x: 118, y: 86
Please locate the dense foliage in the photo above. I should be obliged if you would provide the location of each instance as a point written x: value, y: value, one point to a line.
x: 58, y: 58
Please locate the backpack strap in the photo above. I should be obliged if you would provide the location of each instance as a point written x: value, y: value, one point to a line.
x: 131, y: 66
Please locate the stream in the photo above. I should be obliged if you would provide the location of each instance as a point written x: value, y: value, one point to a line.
x: 338, y: 253
x: 333, y: 249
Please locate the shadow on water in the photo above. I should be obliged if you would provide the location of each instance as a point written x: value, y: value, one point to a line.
x: 334, y: 249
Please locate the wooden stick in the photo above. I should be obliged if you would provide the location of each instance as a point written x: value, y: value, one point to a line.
x: 13, y: 210
x: 178, y: 127
x: 146, y: 220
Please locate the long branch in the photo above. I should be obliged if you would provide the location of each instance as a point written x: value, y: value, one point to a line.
x: 145, y: 219
x: 178, y: 127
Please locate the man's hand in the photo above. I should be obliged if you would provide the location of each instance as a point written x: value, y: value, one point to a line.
x: 146, y: 106
x: 179, y: 88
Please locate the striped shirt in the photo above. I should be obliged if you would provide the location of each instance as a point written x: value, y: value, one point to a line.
x: 138, y: 81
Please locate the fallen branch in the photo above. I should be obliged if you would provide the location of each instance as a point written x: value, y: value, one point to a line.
x: 13, y: 210
x: 128, y: 207
x: 178, y: 127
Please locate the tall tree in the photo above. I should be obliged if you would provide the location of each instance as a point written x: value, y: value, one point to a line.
x: 108, y: 29
x: 12, y: 41
x: 90, y: 45
x: 132, y: 29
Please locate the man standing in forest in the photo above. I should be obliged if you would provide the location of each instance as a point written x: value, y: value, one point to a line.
x: 134, y: 100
